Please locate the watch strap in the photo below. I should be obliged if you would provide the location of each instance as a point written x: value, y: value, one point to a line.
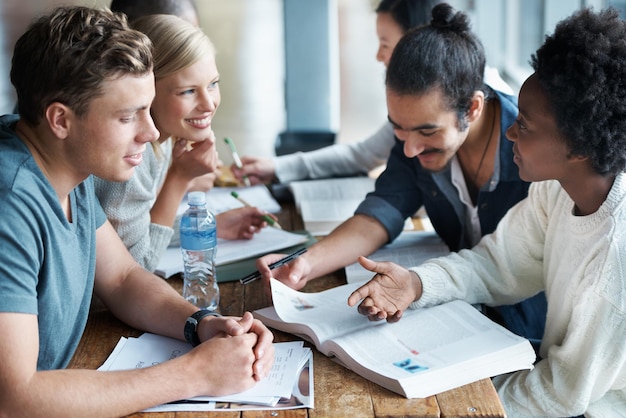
x: 191, y: 325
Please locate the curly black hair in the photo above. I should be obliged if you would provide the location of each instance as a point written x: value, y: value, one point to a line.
x: 582, y: 70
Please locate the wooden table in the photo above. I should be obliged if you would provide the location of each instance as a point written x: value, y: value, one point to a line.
x: 338, y: 392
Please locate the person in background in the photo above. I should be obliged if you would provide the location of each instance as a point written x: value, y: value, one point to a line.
x: 185, y: 9
x: 566, y: 238
x: 143, y: 210
x: 134, y: 9
x: 84, y: 83
x: 393, y: 19
x: 451, y: 157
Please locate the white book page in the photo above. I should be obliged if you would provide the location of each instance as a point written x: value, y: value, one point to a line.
x: 326, y: 313
x: 341, y: 189
x: 302, y: 396
x: 228, y: 251
x: 150, y: 349
x: 328, y: 210
x: 325, y: 204
x: 219, y: 199
x: 320, y: 217
x: 425, y: 340
x: 264, y: 242
x: 410, y: 249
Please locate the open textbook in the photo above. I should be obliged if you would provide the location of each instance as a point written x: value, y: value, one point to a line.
x: 410, y: 248
x: 428, y: 351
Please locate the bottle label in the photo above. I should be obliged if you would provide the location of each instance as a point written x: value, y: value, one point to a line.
x: 197, y: 230
x: 198, y: 240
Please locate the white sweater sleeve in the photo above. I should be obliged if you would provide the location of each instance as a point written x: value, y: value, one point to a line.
x: 579, y: 262
x: 338, y: 159
x: 489, y: 273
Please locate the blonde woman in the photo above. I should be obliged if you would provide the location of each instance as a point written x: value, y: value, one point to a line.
x: 143, y: 209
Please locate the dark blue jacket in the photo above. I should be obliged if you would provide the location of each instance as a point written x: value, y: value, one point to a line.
x: 405, y: 186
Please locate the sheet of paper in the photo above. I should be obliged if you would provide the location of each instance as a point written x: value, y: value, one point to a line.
x: 410, y: 249
x: 341, y: 189
x: 320, y: 217
x: 325, y: 204
x: 219, y: 199
x: 328, y: 210
x: 151, y: 349
x: 268, y: 240
x: 302, y: 396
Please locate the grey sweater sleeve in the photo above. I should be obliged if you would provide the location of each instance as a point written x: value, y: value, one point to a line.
x: 353, y: 158
x: 127, y: 206
x: 338, y: 159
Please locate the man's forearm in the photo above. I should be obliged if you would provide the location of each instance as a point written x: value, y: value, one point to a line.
x: 97, y: 394
x: 147, y: 302
x: 359, y: 235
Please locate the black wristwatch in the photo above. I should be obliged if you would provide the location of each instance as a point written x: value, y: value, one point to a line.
x: 191, y: 325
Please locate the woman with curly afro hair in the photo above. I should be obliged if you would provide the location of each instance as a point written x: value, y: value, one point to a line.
x: 568, y: 238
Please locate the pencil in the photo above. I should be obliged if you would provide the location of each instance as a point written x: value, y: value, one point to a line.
x: 288, y: 259
x: 270, y: 221
x: 238, y: 163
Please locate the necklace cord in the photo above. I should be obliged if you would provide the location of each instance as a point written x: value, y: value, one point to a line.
x: 482, y: 158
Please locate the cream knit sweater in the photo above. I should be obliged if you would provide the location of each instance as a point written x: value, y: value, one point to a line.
x: 580, y: 262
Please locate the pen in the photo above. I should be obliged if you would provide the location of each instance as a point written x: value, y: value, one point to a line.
x: 267, y: 218
x: 236, y: 158
x: 256, y: 275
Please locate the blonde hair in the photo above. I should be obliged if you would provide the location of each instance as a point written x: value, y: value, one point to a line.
x: 178, y: 44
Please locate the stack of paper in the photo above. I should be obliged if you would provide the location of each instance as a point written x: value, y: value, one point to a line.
x: 289, y: 384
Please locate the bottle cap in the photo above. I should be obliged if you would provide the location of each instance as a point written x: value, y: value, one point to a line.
x: 196, y: 198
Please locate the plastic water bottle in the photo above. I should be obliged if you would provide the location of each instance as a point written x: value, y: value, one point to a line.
x: 198, y: 241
